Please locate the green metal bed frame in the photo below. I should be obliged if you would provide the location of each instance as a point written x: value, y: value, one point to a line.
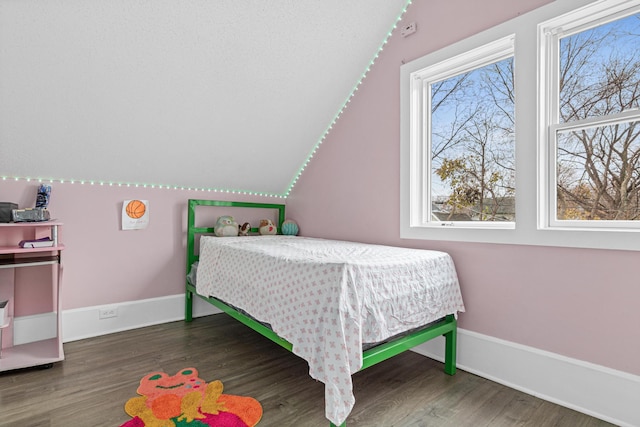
x: 446, y: 327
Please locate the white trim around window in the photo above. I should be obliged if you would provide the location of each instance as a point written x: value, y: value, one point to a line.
x: 549, y: 35
x: 420, y: 141
x: 532, y: 226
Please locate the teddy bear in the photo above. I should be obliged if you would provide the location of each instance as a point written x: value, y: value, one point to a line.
x: 267, y: 227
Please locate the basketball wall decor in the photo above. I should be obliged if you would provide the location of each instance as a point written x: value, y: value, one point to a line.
x: 135, y: 209
x: 135, y: 214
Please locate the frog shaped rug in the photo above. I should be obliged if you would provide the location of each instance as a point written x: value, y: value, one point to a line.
x: 184, y: 400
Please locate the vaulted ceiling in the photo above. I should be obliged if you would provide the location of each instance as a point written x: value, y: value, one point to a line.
x: 219, y: 94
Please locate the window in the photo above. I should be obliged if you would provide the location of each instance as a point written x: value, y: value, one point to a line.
x: 528, y: 132
x: 592, y: 118
x: 463, y: 130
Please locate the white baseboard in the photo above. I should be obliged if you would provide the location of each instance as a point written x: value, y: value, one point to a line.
x: 592, y: 389
x: 85, y: 322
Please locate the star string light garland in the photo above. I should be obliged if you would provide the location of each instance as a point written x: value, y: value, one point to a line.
x: 235, y: 191
x: 346, y: 103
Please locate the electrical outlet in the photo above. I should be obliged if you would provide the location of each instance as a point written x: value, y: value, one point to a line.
x: 106, y: 313
x: 408, y: 29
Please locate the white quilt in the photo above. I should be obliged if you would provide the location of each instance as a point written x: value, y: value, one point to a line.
x: 328, y: 297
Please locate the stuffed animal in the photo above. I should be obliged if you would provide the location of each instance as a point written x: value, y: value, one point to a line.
x: 267, y: 227
x: 225, y: 226
x: 289, y: 228
x: 244, y: 229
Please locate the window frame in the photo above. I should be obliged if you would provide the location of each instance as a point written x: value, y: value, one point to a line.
x: 550, y: 33
x: 531, y: 133
x: 420, y: 140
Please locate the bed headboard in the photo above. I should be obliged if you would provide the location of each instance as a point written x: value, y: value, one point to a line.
x: 193, y: 229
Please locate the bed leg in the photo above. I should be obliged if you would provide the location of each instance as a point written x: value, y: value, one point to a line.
x: 188, y: 306
x: 450, y: 348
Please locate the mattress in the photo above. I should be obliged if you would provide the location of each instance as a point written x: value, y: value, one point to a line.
x: 328, y: 297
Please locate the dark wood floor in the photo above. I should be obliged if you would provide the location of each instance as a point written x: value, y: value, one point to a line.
x: 100, y: 374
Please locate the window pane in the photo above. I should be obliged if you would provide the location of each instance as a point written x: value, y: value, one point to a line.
x: 600, y: 70
x: 473, y: 145
x: 598, y: 173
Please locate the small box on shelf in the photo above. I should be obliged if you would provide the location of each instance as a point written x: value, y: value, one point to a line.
x: 6, y: 209
x: 45, y: 242
x: 30, y: 215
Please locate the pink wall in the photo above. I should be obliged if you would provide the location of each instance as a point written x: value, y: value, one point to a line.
x: 103, y: 264
x: 578, y: 303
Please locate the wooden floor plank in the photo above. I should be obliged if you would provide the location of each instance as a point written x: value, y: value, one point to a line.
x: 100, y: 374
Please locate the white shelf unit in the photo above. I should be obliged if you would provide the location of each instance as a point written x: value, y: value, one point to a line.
x: 43, y: 352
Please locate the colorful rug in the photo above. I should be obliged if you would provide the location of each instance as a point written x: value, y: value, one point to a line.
x: 186, y: 400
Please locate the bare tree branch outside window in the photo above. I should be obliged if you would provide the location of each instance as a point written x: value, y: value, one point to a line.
x: 598, y: 166
x: 473, y: 145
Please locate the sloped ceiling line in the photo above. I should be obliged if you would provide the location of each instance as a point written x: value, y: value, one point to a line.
x: 167, y: 94
x: 346, y: 103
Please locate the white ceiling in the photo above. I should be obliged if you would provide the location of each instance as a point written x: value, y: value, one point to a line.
x: 222, y: 94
